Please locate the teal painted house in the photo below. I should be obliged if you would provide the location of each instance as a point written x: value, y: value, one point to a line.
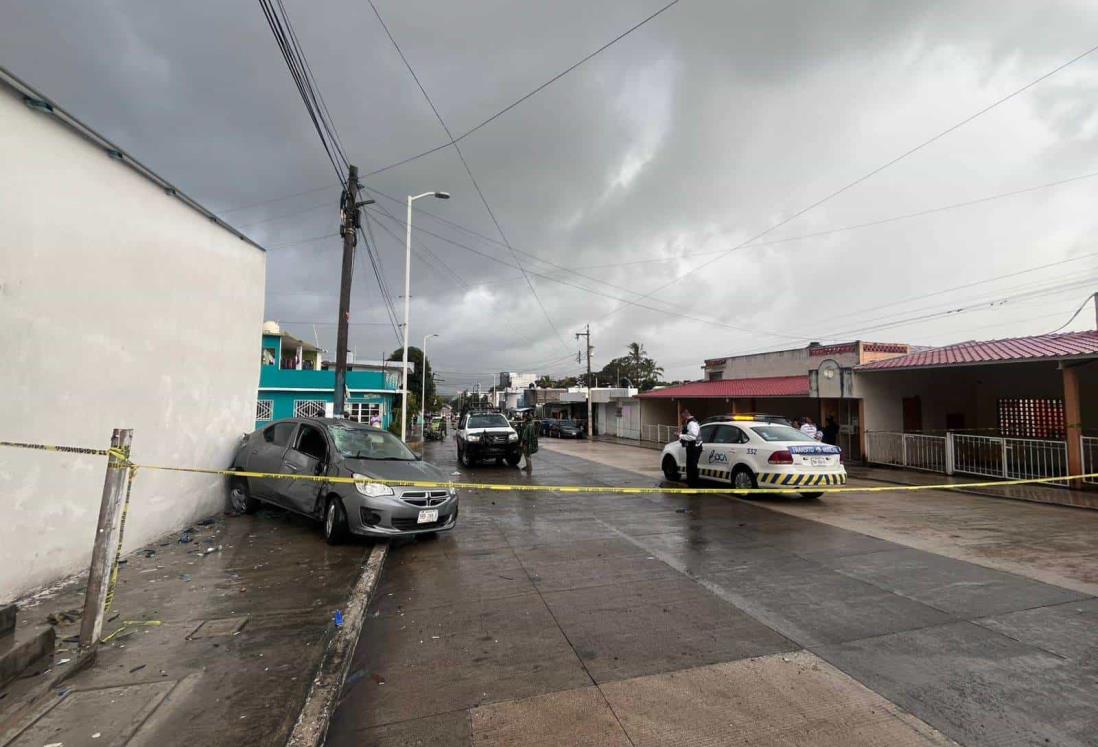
x: 295, y: 381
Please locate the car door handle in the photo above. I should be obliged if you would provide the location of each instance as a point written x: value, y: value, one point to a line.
x: 289, y: 467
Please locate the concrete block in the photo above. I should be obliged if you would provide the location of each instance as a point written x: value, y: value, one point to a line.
x: 7, y: 618
x: 22, y: 648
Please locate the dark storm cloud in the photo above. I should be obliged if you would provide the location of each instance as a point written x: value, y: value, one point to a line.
x: 700, y: 130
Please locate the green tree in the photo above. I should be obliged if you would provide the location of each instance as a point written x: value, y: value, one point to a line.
x: 415, y: 377
x: 635, y: 366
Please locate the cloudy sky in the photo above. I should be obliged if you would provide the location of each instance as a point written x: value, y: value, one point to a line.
x: 629, y: 179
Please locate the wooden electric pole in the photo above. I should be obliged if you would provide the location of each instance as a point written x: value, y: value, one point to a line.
x: 590, y: 419
x: 349, y: 222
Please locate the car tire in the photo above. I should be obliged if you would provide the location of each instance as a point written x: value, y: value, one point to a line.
x: 514, y: 459
x: 743, y: 478
x: 335, y: 522
x: 810, y: 496
x: 499, y: 461
x: 240, y: 499
x: 670, y: 468
x: 467, y: 459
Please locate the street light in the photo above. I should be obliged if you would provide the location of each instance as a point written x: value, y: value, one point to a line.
x: 407, y: 298
x: 423, y: 395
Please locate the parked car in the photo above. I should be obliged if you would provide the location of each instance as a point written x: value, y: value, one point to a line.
x: 563, y: 428
x: 757, y: 453
x: 342, y: 448
x: 487, y: 435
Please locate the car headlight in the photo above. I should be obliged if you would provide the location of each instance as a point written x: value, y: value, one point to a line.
x: 513, y: 437
x: 453, y: 492
x: 472, y: 437
x: 364, y: 485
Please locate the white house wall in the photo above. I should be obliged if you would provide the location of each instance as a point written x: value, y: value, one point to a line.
x: 119, y: 307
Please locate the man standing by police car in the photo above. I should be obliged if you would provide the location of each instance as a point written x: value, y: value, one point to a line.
x: 690, y: 438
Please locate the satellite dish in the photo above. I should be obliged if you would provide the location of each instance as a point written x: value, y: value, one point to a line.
x: 271, y: 328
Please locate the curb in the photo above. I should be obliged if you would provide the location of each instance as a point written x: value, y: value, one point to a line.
x: 311, y: 727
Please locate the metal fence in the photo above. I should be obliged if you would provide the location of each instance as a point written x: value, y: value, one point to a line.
x: 1009, y: 458
x: 658, y: 433
x: 986, y: 456
x: 1090, y: 458
x: 911, y: 450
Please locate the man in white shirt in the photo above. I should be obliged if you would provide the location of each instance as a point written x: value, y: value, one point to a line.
x: 690, y: 438
x: 809, y: 428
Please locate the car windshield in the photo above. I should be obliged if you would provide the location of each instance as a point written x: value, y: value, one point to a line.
x: 488, y: 421
x: 367, y: 443
x: 780, y: 433
x: 565, y: 421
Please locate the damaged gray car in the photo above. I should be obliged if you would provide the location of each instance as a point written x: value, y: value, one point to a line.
x: 342, y: 448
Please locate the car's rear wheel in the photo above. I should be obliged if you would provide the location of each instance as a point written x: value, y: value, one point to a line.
x: 670, y: 468
x: 335, y: 522
x: 811, y: 496
x: 239, y: 497
x: 743, y: 478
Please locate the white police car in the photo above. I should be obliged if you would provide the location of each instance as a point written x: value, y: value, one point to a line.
x: 750, y: 453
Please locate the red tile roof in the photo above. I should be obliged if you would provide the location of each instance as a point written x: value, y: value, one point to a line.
x: 973, y: 352
x: 773, y: 386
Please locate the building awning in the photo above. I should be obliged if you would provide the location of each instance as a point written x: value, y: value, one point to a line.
x: 1063, y: 346
x: 772, y: 386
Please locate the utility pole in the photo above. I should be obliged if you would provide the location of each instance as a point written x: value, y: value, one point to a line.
x: 348, y: 229
x: 590, y: 419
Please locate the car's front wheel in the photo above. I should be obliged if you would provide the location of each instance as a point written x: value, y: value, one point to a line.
x: 514, y: 459
x: 670, y: 468
x: 743, y: 478
x: 811, y: 496
x: 335, y: 522
x: 467, y: 458
x: 239, y: 497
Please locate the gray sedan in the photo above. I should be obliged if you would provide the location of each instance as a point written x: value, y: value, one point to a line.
x: 342, y: 448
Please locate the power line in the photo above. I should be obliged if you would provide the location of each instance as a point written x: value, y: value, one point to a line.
x: 868, y: 175
x: 469, y: 171
x: 1078, y: 311
x: 454, y: 141
x: 857, y: 226
x: 560, y: 281
x: 292, y: 55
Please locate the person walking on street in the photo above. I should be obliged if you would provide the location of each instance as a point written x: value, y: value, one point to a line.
x: 690, y: 438
x: 528, y: 439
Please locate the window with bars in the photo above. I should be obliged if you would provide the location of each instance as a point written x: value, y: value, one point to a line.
x: 309, y: 408
x: 264, y: 409
x: 364, y: 412
x: 1032, y: 418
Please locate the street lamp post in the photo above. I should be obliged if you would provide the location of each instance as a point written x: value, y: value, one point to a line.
x: 407, y: 299
x: 423, y: 395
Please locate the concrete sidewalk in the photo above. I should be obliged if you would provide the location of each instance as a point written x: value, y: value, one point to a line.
x: 215, y: 637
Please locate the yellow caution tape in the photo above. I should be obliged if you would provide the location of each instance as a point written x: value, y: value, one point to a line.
x: 123, y: 458
x: 62, y: 449
x: 127, y: 624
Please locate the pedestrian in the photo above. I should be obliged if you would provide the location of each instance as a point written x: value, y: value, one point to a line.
x: 831, y: 431
x: 690, y: 438
x: 375, y: 420
x: 528, y: 439
x: 808, y: 428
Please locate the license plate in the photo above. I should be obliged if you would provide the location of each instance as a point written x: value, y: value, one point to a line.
x: 428, y: 516
x: 817, y: 461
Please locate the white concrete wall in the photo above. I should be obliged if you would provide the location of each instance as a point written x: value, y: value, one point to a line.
x: 119, y: 306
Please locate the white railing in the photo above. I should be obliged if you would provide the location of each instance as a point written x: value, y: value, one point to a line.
x: 911, y: 450
x: 660, y: 434
x: 1009, y: 458
x: 986, y: 456
x: 1090, y: 458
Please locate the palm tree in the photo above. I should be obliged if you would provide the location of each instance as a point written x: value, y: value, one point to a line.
x: 636, y: 352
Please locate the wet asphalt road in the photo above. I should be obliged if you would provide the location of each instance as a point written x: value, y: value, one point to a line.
x: 602, y: 619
